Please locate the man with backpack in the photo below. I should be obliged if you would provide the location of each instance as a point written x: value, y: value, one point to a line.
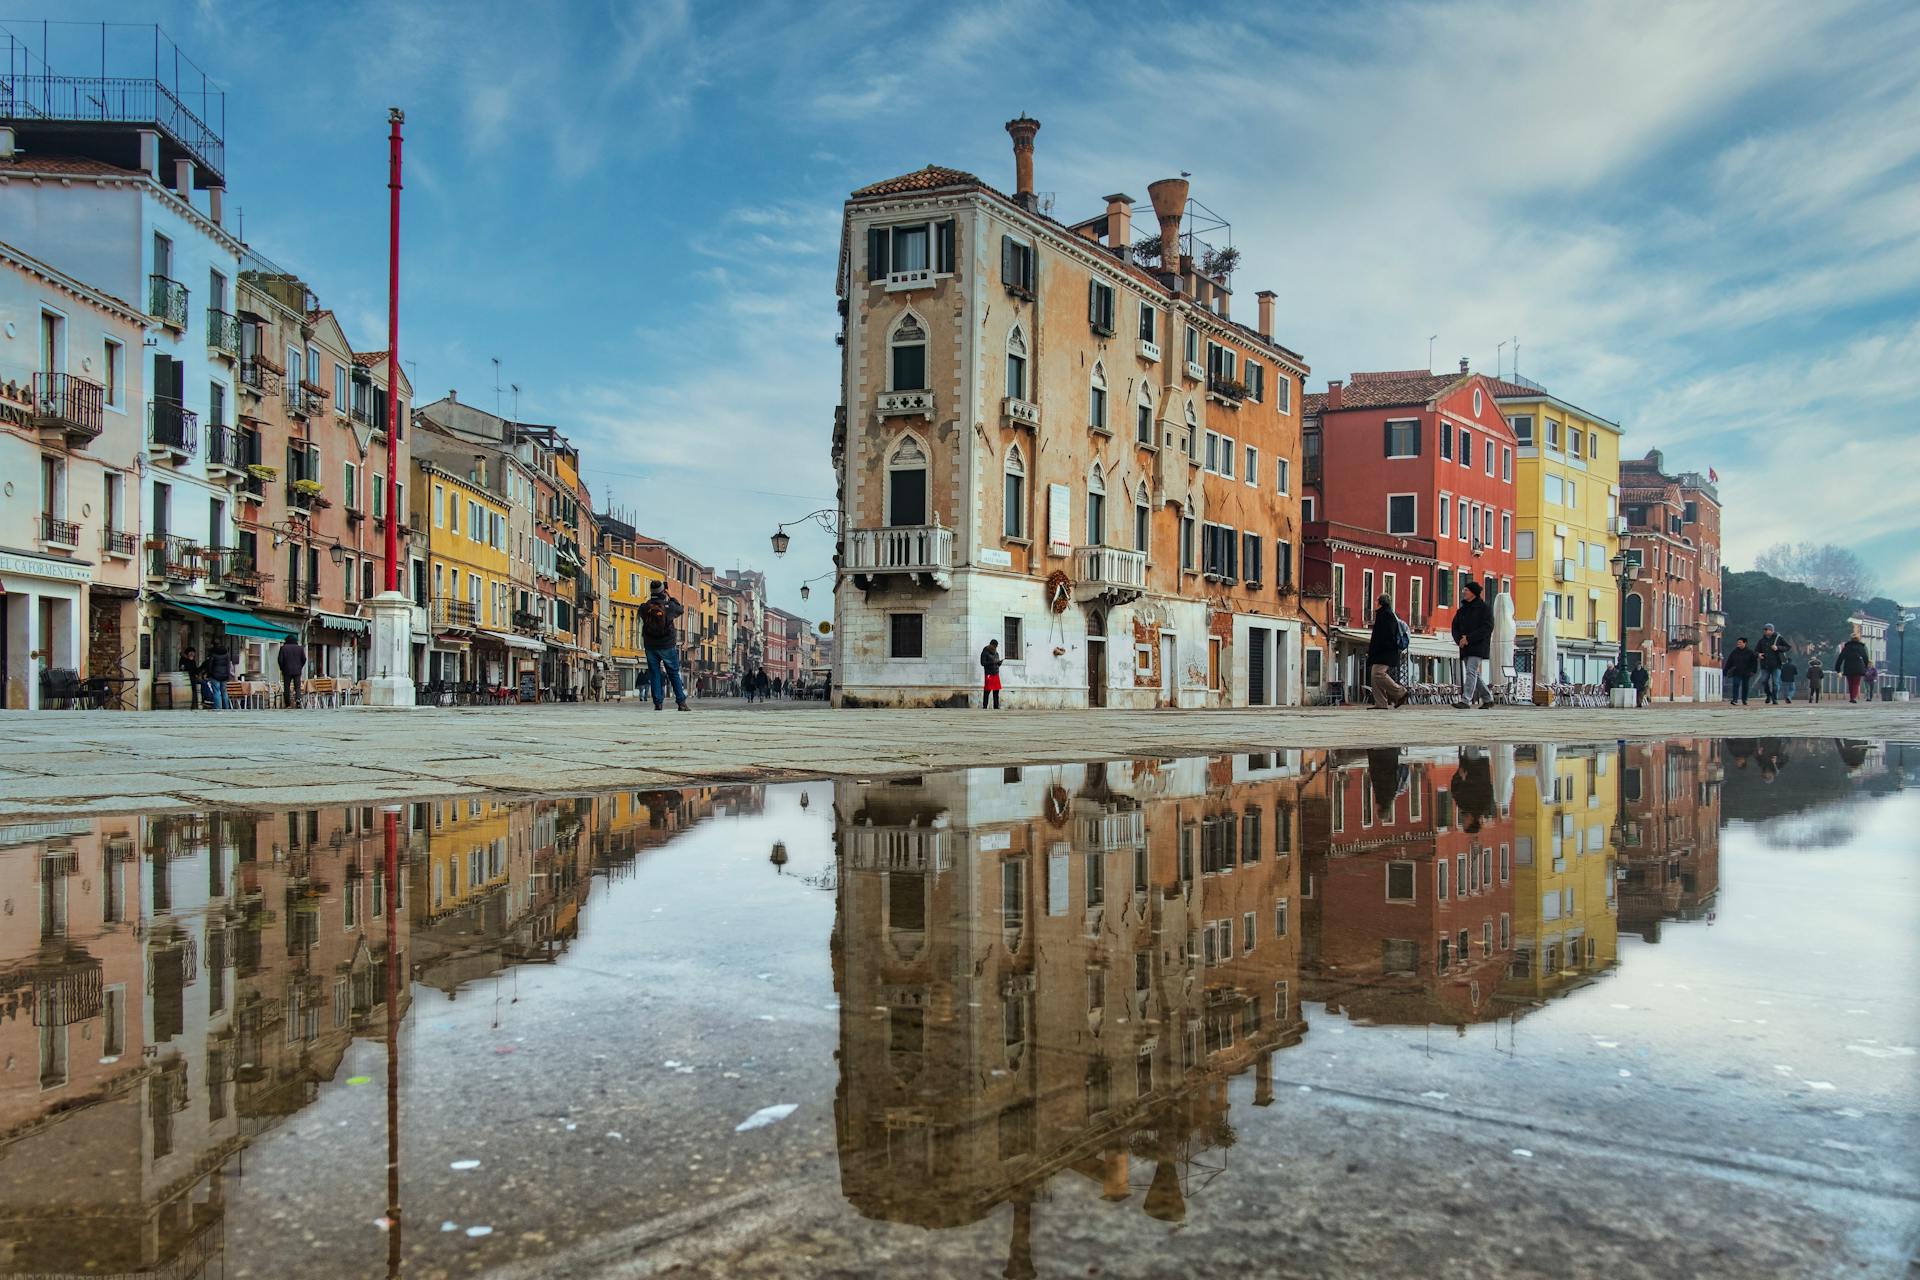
x: 658, y: 635
x: 1386, y: 650
x: 1473, y: 632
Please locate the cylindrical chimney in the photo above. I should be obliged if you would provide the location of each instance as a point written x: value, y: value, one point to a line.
x: 1169, y: 196
x: 1266, y: 297
x: 1022, y: 129
x: 1120, y: 224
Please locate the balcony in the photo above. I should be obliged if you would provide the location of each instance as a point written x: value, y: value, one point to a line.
x: 68, y: 410
x: 1194, y: 372
x: 172, y: 428
x: 897, y: 404
x: 56, y: 532
x: 1109, y: 573
x: 1225, y: 390
x: 1566, y: 570
x: 167, y: 302
x: 923, y: 553
x: 304, y: 496
x: 118, y: 544
x: 34, y: 93
x: 1150, y: 351
x: 235, y: 573
x: 1020, y: 413
x: 454, y: 615
x: 1683, y: 635
x: 175, y: 560
x: 1343, y: 616
x: 224, y: 454
x: 528, y: 623
x: 259, y: 377
x: 223, y: 333
x: 301, y: 400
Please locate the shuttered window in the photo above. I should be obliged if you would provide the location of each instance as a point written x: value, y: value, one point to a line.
x: 907, y: 248
x: 1403, y: 439
x: 1016, y: 266
x: 1100, y: 307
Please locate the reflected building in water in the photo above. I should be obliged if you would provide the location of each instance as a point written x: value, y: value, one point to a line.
x: 1059, y: 969
x: 1669, y: 839
x: 1564, y: 804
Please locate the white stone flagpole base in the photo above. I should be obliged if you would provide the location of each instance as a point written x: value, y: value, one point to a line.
x: 392, y: 683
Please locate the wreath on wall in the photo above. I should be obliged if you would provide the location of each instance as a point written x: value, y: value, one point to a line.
x: 1059, y: 591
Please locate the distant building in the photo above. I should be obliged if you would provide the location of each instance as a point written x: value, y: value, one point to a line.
x: 1675, y: 615
x: 1873, y: 634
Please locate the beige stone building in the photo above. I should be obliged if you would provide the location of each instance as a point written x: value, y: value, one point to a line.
x: 1058, y: 437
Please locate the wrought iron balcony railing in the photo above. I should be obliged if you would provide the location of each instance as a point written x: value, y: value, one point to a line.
x: 58, y: 532
x: 175, y: 559
x: 167, y: 301
x: 118, y: 542
x: 223, y: 332
x: 171, y: 425
x: 70, y: 405
x: 258, y: 377
x: 461, y: 615
x: 113, y: 99
x: 224, y: 450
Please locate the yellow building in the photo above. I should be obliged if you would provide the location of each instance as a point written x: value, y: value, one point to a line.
x: 633, y: 580
x: 1565, y: 913
x: 469, y: 590
x: 1567, y: 527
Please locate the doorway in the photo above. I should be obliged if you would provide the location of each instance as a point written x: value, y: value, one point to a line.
x: 1096, y: 659
x: 1169, y: 657
x: 1257, y: 666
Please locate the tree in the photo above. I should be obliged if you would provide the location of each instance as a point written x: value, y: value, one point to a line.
x: 1820, y: 565
x: 1801, y: 613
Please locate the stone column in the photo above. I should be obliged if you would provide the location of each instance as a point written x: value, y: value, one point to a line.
x: 391, y: 659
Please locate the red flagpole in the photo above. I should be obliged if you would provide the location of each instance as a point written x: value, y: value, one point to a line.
x: 394, y: 117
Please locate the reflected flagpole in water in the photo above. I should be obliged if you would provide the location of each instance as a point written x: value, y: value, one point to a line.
x: 392, y: 872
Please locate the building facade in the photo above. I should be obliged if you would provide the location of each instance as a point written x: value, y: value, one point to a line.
x: 1046, y: 441
x: 1674, y: 614
x: 1568, y: 491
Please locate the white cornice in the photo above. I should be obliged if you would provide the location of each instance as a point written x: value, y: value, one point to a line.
x: 68, y: 285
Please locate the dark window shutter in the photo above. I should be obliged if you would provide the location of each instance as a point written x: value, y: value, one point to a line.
x: 1386, y: 447
x: 1093, y: 303
x: 1416, y: 439
x: 877, y: 253
x: 1009, y: 272
x: 943, y: 257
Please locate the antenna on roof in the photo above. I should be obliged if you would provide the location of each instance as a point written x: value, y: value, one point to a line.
x: 1499, y: 360
x: 1430, y: 340
x: 496, y: 385
x: 516, y: 400
x: 1516, y: 356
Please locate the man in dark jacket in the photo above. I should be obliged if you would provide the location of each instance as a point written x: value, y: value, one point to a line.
x: 293, y: 661
x: 1737, y: 669
x: 1384, y: 652
x: 1772, y: 650
x: 1473, y: 632
x: 990, y: 676
x: 195, y: 672
x: 658, y: 636
x: 219, y: 669
x: 1640, y: 680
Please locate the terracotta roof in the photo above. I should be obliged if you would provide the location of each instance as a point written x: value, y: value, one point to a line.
x: 1502, y: 387
x: 1380, y: 390
x: 79, y: 166
x: 368, y: 359
x: 315, y: 317
x: 931, y: 178
x: 1312, y: 403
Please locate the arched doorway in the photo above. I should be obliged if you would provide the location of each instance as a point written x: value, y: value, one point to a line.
x: 1096, y: 659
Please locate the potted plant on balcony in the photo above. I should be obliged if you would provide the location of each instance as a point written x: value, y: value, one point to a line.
x: 262, y: 472
x: 306, y: 489
x: 1220, y: 263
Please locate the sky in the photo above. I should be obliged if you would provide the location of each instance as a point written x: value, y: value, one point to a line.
x: 1700, y: 220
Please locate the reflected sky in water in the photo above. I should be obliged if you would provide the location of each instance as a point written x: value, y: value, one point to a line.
x: 1011, y: 1021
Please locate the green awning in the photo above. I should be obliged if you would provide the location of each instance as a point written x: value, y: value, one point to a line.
x: 238, y: 622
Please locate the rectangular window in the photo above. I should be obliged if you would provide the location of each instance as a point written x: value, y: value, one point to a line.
x: 1574, y: 441
x: 1416, y: 593
x: 1016, y: 504
x: 1256, y: 381
x: 1573, y: 499
x: 1402, y: 513
x: 1186, y: 542
x: 1553, y: 434
x: 1489, y: 457
x: 1143, y: 423
x: 1446, y: 442
x: 1403, y: 439
x: 1100, y: 307
x: 1193, y: 345
x: 1400, y: 882
x: 1016, y: 266
x: 1368, y: 599
x: 113, y: 374
x: 1506, y: 531
x: 1443, y: 589
x: 1142, y: 526
x: 1463, y: 525
x: 1523, y: 545
x: 1251, y: 549
x: 1149, y: 322
x: 1466, y: 447
x: 1522, y: 424
x: 1010, y: 640
x: 1486, y: 527
x: 1016, y: 376
x: 1226, y: 456
x: 1506, y: 463
x: 909, y: 367
x: 1097, y: 407
x: 1283, y: 475
x: 1445, y: 513
x: 1282, y: 563
x: 1253, y: 466
x: 905, y: 639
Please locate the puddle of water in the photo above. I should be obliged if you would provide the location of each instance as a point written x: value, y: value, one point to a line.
x: 1142, y: 1017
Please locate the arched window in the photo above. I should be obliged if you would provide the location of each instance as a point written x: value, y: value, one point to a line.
x: 1016, y: 494
x: 1097, y: 398
x: 1096, y: 508
x: 907, y: 355
x: 1142, y: 518
x: 1636, y: 612
x: 1143, y: 415
x: 1017, y: 363
x: 907, y: 483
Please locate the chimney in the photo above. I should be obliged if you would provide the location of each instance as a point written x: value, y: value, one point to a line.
x: 1120, y: 225
x: 1169, y: 196
x: 1463, y: 364
x: 1223, y: 300
x: 1333, y: 392
x: 1022, y: 128
x: 454, y: 395
x: 216, y: 205
x: 1266, y: 297
x: 6, y: 142
x: 183, y: 179
x: 150, y: 153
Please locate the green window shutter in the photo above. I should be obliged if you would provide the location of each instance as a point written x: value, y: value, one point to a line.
x: 877, y: 242
x: 943, y: 258
x: 1009, y: 269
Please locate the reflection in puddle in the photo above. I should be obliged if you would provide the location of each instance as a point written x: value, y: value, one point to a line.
x: 1042, y: 973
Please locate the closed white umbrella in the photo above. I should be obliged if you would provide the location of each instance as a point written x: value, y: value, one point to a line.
x: 1503, y: 631
x: 1503, y: 764
x: 1546, y: 647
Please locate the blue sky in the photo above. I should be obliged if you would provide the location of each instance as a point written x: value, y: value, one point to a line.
x: 1701, y: 220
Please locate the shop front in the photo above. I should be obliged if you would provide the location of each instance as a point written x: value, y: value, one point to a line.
x: 337, y: 646
x: 44, y: 604
x: 181, y: 627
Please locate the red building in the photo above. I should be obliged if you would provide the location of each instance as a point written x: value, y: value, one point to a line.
x: 1408, y: 480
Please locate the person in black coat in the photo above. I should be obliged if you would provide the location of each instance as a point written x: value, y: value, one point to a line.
x: 1852, y: 662
x: 990, y: 676
x: 1473, y: 632
x: 1383, y: 656
x: 1737, y: 669
x: 1640, y: 682
x: 1771, y: 651
x: 219, y: 670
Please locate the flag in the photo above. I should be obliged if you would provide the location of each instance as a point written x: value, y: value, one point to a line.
x: 1713, y: 475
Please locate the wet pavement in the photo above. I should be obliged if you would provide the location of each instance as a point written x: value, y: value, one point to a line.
x: 1641, y: 1009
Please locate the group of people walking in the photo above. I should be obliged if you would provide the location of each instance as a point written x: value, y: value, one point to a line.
x: 207, y: 677
x: 1388, y: 644
x: 1770, y: 663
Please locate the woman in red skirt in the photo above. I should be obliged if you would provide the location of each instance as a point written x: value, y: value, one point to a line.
x: 990, y: 667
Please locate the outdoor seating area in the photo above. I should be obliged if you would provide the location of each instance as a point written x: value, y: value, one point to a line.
x: 467, y: 693
x: 269, y: 695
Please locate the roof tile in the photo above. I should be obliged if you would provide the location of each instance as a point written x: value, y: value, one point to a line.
x: 931, y: 178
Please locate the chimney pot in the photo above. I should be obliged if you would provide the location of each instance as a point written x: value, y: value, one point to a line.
x: 1169, y: 197
x: 6, y: 142
x: 1463, y: 364
x: 216, y: 205
x: 183, y: 179
x: 1120, y: 225
x: 1022, y: 128
x: 1334, y: 393
x: 1266, y: 297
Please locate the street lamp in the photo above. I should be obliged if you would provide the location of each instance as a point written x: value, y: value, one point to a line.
x: 1901, y: 628
x: 826, y: 517
x: 1623, y: 574
x: 806, y: 590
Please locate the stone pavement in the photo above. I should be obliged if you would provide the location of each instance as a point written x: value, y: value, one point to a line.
x: 58, y: 763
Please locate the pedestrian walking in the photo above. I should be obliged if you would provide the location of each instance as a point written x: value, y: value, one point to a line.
x: 1737, y: 669
x: 990, y: 676
x: 1473, y: 632
x: 293, y: 663
x: 658, y: 617
x: 1789, y: 676
x: 1386, y: 648
x: 1852, y: 663
x: 191, y: 668
x: 1815, y: 673
x: 1640, y: 680
x: 1772, y: 649
x: 1872, y: 679
x: 219, y: 670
